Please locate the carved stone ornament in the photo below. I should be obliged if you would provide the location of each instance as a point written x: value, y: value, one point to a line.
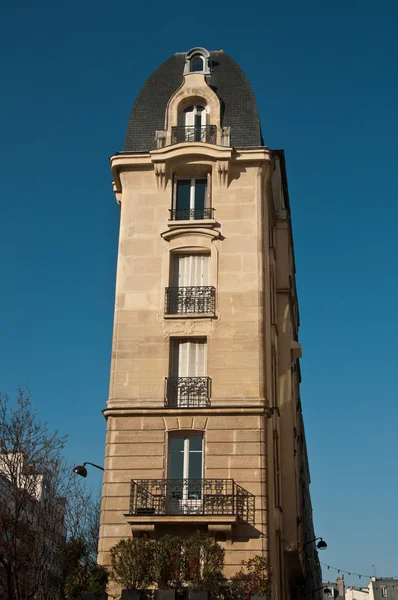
x: 222, y: 170
x: 160, y: 173
x: 188, y: 328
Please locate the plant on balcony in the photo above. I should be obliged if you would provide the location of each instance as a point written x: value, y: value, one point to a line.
x: 253, y: 579
x: 203, y: 563
x: 131, y: 563
x: 167, y: 562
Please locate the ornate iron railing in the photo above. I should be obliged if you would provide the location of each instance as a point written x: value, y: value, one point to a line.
x: 187, y: 392
x: 190, y: 300
x: 193, y: 133
x: 191, y: 214
x: 191, y: 497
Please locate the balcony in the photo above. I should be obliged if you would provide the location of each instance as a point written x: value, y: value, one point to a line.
x: 158, y: 498
x: 202, y: 133
x: 191, y: 214
x: 191, y: 300
x: 187, y: 392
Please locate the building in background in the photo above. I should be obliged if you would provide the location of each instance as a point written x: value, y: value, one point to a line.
x: 334, y: 589
x: 204, y: 418
x: 354, y: 593
x: 379, y: 588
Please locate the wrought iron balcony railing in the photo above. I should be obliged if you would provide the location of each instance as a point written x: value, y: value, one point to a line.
x: 191, y: 497
x: 193, y: 133
x: 187, y: 392
x: 190, y: 300
x: 191, y: 214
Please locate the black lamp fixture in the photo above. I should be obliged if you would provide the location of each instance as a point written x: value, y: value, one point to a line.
x: 321, y: 545
x: 326, y: 590
x: 81, y: 469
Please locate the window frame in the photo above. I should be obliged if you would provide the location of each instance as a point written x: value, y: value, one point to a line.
x: 174, y: 341
x: 192, y: 198
x: 194, y: 58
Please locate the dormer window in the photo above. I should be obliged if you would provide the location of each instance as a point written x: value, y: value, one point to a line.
x: 194, y: 120
x: 193, y: 126
x: 196, y: 63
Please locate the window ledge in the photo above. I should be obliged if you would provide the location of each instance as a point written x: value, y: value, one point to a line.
x: 192, y: 223
x: 191, y: 316
x: 198, y: 228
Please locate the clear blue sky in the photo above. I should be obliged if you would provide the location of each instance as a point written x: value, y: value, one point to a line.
x: 325, y: 78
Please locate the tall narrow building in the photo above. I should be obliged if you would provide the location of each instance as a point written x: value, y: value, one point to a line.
x: 204, y: 420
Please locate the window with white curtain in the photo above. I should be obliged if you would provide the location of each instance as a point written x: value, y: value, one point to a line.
x: 190, y: 270
x: 190, y: 291
x: 188, y: 358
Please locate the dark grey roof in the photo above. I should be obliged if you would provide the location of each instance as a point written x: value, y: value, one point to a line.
x: 239, y: 109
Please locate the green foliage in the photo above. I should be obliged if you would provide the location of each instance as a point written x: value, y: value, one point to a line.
x: 167, y: 562
x: 131, y: 561
x: 97, y: 579
x: 254, y: 578
x: 203, y: 562
x: 79, y: 573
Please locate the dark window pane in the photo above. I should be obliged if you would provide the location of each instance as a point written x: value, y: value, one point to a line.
x: 183, y: 196
x: 177, y: 465
x: 198, y: 128
x: 200, y: 195
x: 195, y: 444
x: 195, y: 465
x: 188, y: 109
x: 197, y: 63
x: 177, y: 444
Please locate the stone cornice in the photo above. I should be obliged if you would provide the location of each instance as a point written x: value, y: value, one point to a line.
x: 175, y: 232
x: 176, y: 151
x: 181, y: 412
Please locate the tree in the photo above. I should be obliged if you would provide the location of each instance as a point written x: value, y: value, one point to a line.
x: 203, y: 562
x: 41, y: 503
x: 131, y: 561
x: 254, y: 578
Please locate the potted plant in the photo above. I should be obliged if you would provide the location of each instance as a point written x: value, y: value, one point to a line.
x: 166, y: 566
x: 131, y: 566
x: 203, y: 565
x: 254, y: 580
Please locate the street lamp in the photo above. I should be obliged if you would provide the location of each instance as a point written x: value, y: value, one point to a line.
x: 326, y: 590
x: 321, y: 545
x: 81, y: 469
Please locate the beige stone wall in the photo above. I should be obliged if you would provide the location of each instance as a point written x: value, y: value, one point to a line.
x: 251, y: 352
x: 137, y: 449
x: 141, y: 336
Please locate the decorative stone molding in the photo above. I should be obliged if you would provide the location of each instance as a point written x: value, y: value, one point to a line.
x: 160, y: 173
x: 178, y: 232
x: 297, y: 351
x: 194, y: 90
x: 222, y: 171
x: 202, y: 327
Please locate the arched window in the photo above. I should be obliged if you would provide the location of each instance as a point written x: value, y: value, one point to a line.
x: 196, y: 63
x: 193, y: 119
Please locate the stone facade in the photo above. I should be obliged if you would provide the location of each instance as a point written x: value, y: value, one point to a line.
x: 250, y: 422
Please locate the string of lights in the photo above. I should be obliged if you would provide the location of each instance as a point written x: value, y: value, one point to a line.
x: 359, y: 575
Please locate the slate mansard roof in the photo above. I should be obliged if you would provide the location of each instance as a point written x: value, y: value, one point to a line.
x: 239, y: 109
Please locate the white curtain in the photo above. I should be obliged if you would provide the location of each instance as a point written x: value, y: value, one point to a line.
x: 189, y: 358
x: 191, y: 270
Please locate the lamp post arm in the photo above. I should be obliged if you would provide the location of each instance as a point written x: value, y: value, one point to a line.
x: 93, y: 465
x: 312, y: 541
